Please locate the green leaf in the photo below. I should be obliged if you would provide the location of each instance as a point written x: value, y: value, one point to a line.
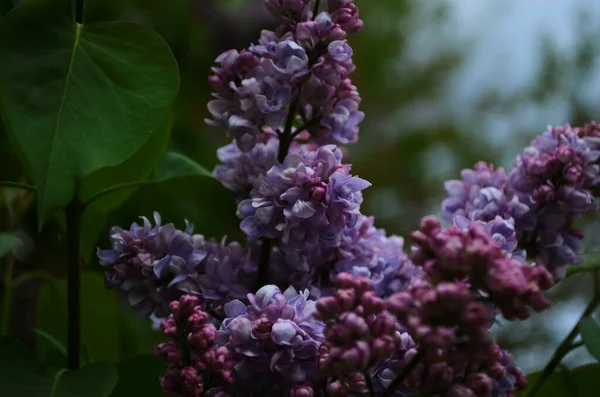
x: 590, y: 333
x: 177, y: 165
x: 100, y: 332
x: 21, y: 375
x: 7, y: 243
x: 138, y: 167
x: 78, y: 98
x: 560, y: 383
x: 139, y: 376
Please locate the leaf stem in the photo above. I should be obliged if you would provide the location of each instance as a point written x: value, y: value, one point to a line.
x: 79, y: 11
x: 73, y: 212
x: 17, y: 185
x: 567, y: 344
x: 370, y: 386
x: 397, y: 382
x: 316, y: 8
x: 7, y: 295
x: 262, y: 275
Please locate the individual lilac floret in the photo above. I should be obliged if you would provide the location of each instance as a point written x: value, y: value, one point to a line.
x: 471, y: 254
x: 345, y: 13
x: 553, y: 177
x: 194, y: 362
x: 274, y: 341
x: 306, y: 202
x: 367, y: 252
x: 240, y: 171
x: 151, y: 265
x: 359, y: 334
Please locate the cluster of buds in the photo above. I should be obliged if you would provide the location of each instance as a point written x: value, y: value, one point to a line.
x: 196, y: 365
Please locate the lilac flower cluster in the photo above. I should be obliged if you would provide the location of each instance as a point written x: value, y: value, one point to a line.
x: 196, y: 367
x: 548, y: 187
x: 152, y: 266
x: 274, y: 340
x: 359, y: 335
x: 302, y: 66
x: 468, y: 276
x: 306, y: 202
x: 357, y: 315
x: 367, y: 252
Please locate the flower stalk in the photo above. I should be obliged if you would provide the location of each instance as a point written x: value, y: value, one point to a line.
x: 73, y: 214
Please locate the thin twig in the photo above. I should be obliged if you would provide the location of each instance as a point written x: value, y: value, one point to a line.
x: 79, y: 10
x: 73, y: 212
x: 17, y: 185
x: 408, y: 368
x: 567, y: 344
x: 316, y: 8
x: 262, y: 276
x: 370, y: 386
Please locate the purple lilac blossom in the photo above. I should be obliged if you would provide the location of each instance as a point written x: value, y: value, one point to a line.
x: 254, y: 88
x: 151, y: 265
x: 194, y: 361
x: 451, y: 254
x: 481, y: 196
x: 345, y: 13
x: 154, y: 265
x: 359, y: 334
x: 274, y: 341
x: 367, y: 252
x: 240, y: 171
x: 553, y: 177
x: 228, y: 272
x: 306, y: 202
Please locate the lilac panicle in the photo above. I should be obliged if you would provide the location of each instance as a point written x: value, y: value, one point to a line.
x: 194, y: 361
x: 154, y: 265
x: 359, y: 334
x: 306, y: 202
x: 553, y: 177
x: 151, y: 265
x: 547, y: 188
x: 274, y: 340
x: 456, y: 254
x: 448, y: 313
x: 254, y: 89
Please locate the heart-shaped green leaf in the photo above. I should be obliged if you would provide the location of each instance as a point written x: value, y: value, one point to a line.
x: 78, y: 98
x: 138, y: 167
x: 22, y: 376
